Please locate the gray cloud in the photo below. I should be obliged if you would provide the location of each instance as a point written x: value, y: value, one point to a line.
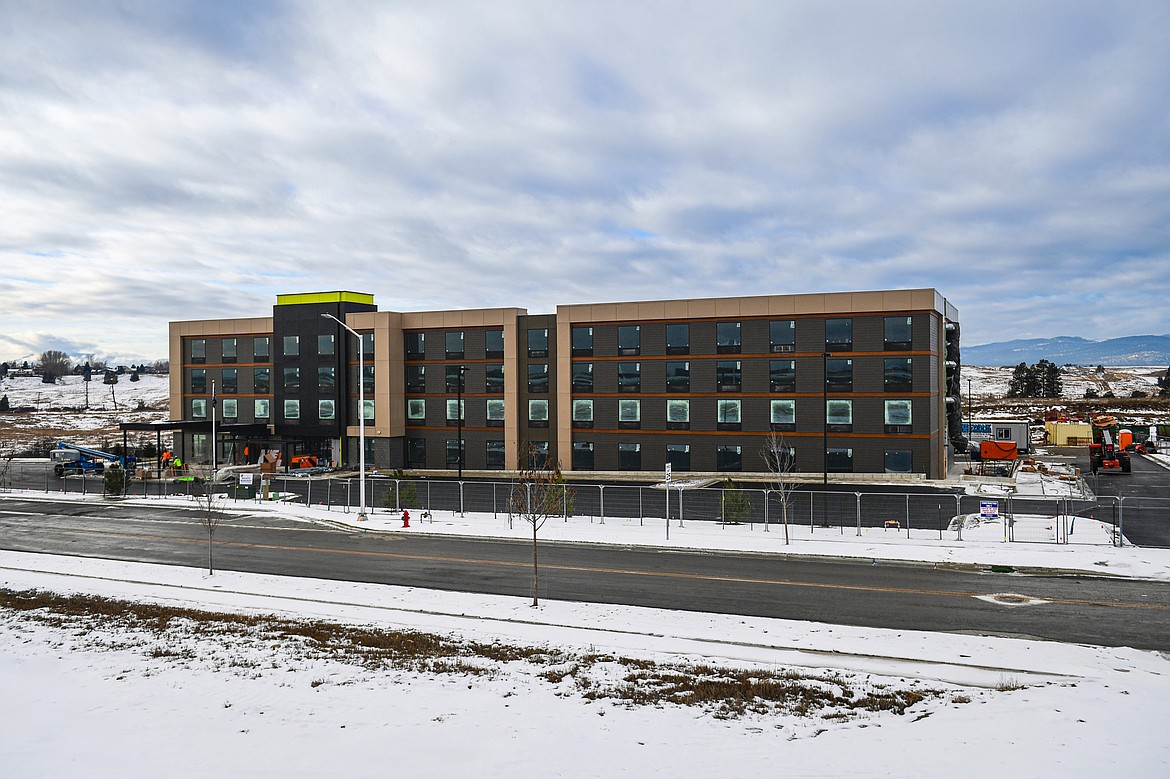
x: 193, y: 160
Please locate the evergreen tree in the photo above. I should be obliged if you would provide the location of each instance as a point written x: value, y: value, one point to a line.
x: 4, y: 406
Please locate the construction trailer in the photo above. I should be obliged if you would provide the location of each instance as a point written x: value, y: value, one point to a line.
x: 1000, y: 430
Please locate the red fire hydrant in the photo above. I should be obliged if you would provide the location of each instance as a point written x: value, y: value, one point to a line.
x: 405, y: 518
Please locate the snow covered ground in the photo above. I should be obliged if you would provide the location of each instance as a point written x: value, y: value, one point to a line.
x: 58, y: 410
x: 103, y: 697
x: 993, y: 382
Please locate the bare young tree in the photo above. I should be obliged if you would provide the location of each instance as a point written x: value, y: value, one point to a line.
x: 210, y: 512
x: 537, y: 494
x: 781, y: 463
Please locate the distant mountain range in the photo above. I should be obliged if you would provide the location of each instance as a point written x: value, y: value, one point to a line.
x: 1130, y: 350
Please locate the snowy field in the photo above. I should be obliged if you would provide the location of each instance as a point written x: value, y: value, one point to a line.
x: 58, y: 411
x: 993, y: 382
x: 107, y: 697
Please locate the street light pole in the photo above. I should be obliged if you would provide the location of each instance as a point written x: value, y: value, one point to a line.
x: 825, y: 427
x: 459, y: 422
x: 361, y: 416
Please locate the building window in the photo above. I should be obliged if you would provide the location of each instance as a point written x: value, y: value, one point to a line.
x: 368, y: 410
x: 629, y: 377
x: 538, y: 413
x: 839, y: 416
x: 452, y: 375
x: 838, y: 335
x: 582, y: 377
x: 199, y: 408
x: 198, y: 381
x: 629, y: 414
x: 495, y: 412
x: 416, y: 378
x: 416, y: 411
x: 629, y: 457
x: 727, y: 414
x: 455, y: 411
x: 231, y: 381
x: 582, y: 341
x: 454, y: 344
x: 494, y: 377
x: 898, y: 373
x: 416, y: 346
x: 199, y: 446
x: 899, y: 333
x: 782, y: 376
x: 899, y: 461
x: 899, y: 416
x: 367, y: 346
x: 679, y: 456
x: 538, y: 378
x: 292, y: 410
x: 582, y: 413
x: 728, y: 375
x: 368, y: 379
x: 326, y: 410
x: 783, y: 414
x: 629, y: 340
x: 839, y: 375
x: 292, y: 379
x: 198, y: 350
x: 678, y: 339
x: 455, y: 452
x: 678, y: 414
x: 325, y: 345
x: 728, y: 338
x: 782, y: 335
x: 538, y: 342
x: 840, y: 460
x: 729, y: 458
x: 678, y: 377
x: 261, y: 408
x: 229, y: 350
x: 779, y: 459
x: 495, y: 454
x: 582, y: 455
x: 538, y: 454
x: 261, y: 380
x: 416, y: 453
x: 292, y: 345
x: 326, y: 378
x: 493, y: 344
x: 260, y: 349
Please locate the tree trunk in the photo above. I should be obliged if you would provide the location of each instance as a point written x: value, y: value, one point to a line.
x: 535, y: 570
x: 210, y: 567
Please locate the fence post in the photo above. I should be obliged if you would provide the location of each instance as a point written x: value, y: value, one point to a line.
x: 461, y: 512
x: 959, y: 515
x: 1121, y: 520
x: 765, y: 509
x: 858, y: 495
x: 309, y: 493
x: 565, y: 501
x: 495, y: 514
x: 907, y: 515
x: 680, y: 506
x: 602, y: 509
x: 811, y: 500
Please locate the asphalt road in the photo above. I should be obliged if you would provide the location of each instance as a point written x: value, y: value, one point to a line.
x: 1077, y: 609
x: 1146, y: 508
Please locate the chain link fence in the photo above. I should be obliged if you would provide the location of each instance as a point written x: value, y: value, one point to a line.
x: 1062, y: 520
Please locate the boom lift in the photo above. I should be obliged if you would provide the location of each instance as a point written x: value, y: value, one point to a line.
x: 71, y: 458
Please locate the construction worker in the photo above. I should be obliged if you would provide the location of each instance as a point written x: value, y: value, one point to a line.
x: 177, y: 464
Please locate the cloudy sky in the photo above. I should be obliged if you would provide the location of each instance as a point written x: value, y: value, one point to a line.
x: 190, y: 160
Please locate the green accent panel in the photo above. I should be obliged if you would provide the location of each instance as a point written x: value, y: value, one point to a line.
x: 324, y: 297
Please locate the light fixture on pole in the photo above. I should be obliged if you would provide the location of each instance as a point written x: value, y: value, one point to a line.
x: 361, y: 416
x: 825, y: 427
